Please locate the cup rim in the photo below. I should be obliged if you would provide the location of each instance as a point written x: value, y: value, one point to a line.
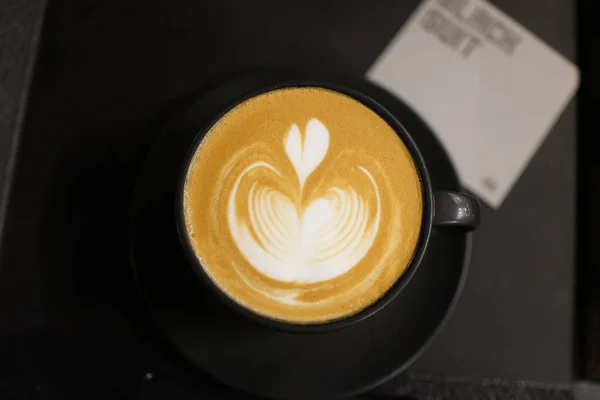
x: 381, y: 302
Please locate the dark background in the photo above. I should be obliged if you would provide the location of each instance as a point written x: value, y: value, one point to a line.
x: 110, y: 73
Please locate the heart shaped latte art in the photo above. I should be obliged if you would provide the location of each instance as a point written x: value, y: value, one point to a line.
x: 291, y: 237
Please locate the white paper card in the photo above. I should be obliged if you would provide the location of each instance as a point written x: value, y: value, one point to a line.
x: 488, y: 88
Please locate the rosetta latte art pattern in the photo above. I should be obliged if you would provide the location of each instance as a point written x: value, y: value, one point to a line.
x: 297, y: 239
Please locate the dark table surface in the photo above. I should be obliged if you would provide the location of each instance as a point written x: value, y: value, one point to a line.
x: 109, y: 71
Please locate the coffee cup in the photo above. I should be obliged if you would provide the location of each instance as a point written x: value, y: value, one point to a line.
x: 306, y: 206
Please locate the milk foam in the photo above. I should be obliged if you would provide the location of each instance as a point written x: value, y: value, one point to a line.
x: 289, y: 241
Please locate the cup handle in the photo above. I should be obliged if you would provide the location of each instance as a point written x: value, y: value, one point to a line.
x: 455, y: 209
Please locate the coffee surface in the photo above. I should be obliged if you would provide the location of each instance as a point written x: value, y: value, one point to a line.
x: 303, y: 205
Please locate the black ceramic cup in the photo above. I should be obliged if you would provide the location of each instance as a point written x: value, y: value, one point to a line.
x: 446, y: 210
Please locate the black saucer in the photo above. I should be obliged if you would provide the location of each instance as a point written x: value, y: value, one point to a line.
x: 283, y: 365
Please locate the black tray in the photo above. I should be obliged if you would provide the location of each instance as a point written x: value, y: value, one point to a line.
x: 110, y: 73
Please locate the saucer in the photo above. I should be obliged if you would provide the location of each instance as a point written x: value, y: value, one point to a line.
x: 268, y: 362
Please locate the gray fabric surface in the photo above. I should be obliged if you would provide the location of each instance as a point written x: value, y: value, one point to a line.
x: 429, y: 387
x: 20, y: 27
